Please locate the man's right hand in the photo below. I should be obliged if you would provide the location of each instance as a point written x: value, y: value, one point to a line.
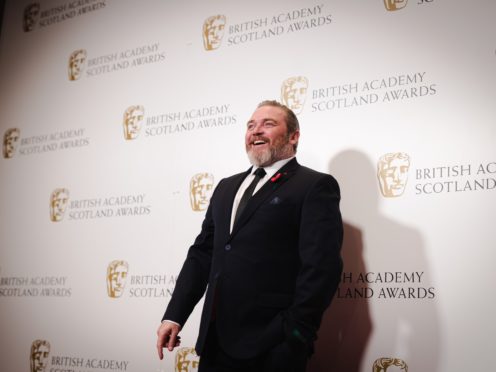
x: 167, y: 337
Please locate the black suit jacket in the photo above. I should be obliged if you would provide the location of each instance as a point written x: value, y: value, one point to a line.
x: 275, y: 273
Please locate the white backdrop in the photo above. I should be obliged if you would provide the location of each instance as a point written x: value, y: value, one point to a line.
x: 400, y: 76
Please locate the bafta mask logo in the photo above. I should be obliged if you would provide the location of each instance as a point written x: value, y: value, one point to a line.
x: 10, y: 141
x: 389, y: 365
x: 40, y: 350
x: 213, y: 31
x: 31, y: 16
x: 77, y: 61
x: 200, y: 191
x: 133, y: 117
x: 116, y: 278
x: 294, y: 93
x: 392, y: 172
x: 59, y: 199
x: 392, y: 5
x: 186, y: 360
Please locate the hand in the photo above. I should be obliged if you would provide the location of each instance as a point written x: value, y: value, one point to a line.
x: 167, y: 337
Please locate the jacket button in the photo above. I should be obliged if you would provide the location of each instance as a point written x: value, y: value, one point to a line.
x: 227, y: 247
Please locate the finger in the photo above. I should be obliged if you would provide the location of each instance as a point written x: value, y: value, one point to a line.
x: 160, y: 351
x: 161, y: 343
x: 172, y: 340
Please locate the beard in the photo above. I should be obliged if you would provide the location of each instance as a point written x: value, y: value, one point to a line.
x: 268, y: 156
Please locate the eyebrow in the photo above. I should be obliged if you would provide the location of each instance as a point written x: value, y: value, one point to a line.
x: 263, y: 120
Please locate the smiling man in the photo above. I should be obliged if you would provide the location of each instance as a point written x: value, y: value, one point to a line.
x: 268, y: 257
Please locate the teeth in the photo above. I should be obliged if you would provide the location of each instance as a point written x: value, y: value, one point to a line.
x: 258, y: 142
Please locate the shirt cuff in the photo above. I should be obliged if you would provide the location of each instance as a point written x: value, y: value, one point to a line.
x: 171, y: 321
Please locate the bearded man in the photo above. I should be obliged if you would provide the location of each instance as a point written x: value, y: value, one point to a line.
x: 268, y: 257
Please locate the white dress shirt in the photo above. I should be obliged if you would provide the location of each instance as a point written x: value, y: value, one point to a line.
x: 270, y: 171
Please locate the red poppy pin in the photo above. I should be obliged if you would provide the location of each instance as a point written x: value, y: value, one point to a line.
x: 276, y: 177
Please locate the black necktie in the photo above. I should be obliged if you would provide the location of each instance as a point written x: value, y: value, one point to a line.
x: 259, y: 174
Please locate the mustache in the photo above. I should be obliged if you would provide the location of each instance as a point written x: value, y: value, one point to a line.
x: 258, y: 138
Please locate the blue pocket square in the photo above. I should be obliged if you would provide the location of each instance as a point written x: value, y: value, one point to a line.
x: 276, y: 200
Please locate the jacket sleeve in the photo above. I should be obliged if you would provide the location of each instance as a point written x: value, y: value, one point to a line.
x: 320, y: 240
x: 194, y: 275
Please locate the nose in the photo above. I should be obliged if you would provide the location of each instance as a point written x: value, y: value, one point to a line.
x: 258, y: 128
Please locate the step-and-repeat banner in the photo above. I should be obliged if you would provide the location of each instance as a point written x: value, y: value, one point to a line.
x: 120, y: 117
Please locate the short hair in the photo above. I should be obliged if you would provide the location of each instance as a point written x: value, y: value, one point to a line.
x: 292, y: 122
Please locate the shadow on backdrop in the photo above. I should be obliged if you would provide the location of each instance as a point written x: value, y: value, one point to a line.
x: 364, y: 324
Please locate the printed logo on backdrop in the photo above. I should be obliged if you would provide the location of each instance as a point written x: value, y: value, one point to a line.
x: 387, y: 89
x: 35, y: 286
x: 139, y: 285
x: 40, y: 361
x: 115, y: 206
x: 51, y: 142
x: 38, y: 357
x: 392, y: 173
x: 59, y: 199
x: 393, y: 5
x: 213, y: 31
x: 34, y: 16
x: 81, y: 64
x: 386, y: 285
x: 200, y: 191
x: 294, y: 93
x: 285, y: 22
x: 76, y: 65
x: 133, y: 119
x: 136, y: 124
x: 10, y: 141
x: 389, y: 365
x: 116, y: 278
x: 393, y: 170
x: 186, y: 360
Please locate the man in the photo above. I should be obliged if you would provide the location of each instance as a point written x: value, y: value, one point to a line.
x: 272, y: 262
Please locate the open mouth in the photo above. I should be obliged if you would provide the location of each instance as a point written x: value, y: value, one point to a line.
x: 259, y: 142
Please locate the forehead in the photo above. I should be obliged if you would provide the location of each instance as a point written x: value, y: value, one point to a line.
x: 269, y: 112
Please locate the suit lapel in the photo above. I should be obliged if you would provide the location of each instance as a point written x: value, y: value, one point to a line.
x: 228, y: 200
x: 287, y: 171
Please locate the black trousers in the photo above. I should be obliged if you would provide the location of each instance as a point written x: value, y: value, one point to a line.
x: 282, y: 358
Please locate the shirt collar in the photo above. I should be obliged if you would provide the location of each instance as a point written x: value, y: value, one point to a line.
x: 271, y: 169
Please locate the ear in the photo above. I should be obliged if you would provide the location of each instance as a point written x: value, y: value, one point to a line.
x: 294, y: 137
